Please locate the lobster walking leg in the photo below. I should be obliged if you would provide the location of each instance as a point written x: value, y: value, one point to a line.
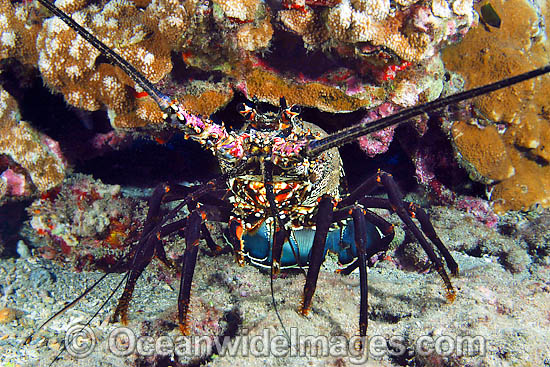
x: 322, y: 224
x: 396, y: 201
x: 142, y: 253
x: 378, y: 245
x: 361, y: 242
x: 192, y: 236
x: 424, y: 220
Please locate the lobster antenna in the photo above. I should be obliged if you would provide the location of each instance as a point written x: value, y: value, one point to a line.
x: 93, y: 316
x: 162, y: 100
x: 351, y: 133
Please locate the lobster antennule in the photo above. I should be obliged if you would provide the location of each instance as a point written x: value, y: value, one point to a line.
x: 351, y: 133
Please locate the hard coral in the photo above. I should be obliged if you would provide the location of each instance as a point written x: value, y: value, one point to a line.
x: 269, y: 86
x: 18, y: 31
x: 68, y: 63
x: 516, y: 153
x: 86, y: 223
x: 411, y: 33
x: 30, y: 160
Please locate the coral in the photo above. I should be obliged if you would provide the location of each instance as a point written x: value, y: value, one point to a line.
x: 370, y: 21
x: 378, y: 142
x: 252, y: 37
x: 512, y: 152
x: 30, y: 160
x: 87, y: 224
x: 170, y: 16
x: 238, y: 10
x: 18, y: 31
x: 306, y: 23
x: 269, y: 86
x: 479, y: 208
x: 68, y: 63
x: 225, y: 36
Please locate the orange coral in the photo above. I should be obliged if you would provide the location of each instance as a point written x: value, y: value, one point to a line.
x: 207, y: 102
x: 269, y: 87
x: 483, y: 57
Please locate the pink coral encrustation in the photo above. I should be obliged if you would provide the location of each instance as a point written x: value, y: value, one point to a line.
x: 378, y: 142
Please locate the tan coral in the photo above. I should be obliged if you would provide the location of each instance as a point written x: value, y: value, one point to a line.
x: 36, y: 153
x: 252, y: 37
x: 378, y: 9
x: 347, y: 23
x: 171, y: 17
x: 483, y: 57
x: 68, y: 63
x: 146, y: 112
x: 239, y: 10
x: 18, y: 31
x: 306, y: 23
x: 208, y: 101
x: 269, y: 87
x: 485, y: 147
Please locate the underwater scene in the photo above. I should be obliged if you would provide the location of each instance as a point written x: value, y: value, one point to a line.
x: 275, y: 183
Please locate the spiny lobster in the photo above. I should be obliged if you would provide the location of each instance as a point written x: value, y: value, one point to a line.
x: 282, y: 203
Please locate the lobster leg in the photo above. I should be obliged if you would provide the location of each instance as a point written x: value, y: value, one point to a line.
x: 380, y: 245
x: 143, y: 256
x: 360, y: 226
x: 418, y: 213
x: 396, y: 202
x: 142, y: 253
x: 235, y: 238
x: 192, y: 236
x: 322, y: 222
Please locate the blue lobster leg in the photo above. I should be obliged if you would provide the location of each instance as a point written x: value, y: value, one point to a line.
x: 323, y: 221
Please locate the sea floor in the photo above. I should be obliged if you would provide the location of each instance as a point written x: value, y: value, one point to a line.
x: 500, y: 317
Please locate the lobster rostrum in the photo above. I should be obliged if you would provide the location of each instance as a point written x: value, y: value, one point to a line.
x: 281, y: 197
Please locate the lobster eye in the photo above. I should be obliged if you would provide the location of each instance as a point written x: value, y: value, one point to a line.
x: 242, y: 108
x: 246, y: 111
x: 295, y: 109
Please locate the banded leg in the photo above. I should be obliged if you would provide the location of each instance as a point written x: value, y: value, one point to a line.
x: 156, y: 226
x: 395, y: 203
x: 322, y: 223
